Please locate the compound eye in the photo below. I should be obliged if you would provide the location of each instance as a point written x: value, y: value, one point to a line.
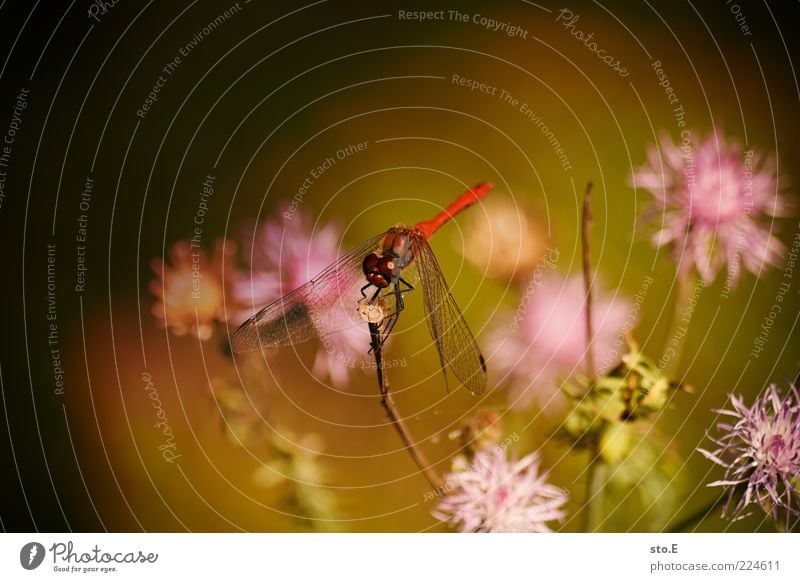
x: 370, y: 264
x: 388, y: 268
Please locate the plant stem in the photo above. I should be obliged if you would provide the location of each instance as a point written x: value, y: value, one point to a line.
x: 594, y: 472
x: 594, y: 491
x: 388, y: 404
x: 586, y: 226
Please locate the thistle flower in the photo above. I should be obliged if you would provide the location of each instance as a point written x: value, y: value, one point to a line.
x: 495, y: 495
x: 715, y: 202
x: 547, y: 339
x: 282, y: 254
x: 760, y: 452
x: 189, y: 289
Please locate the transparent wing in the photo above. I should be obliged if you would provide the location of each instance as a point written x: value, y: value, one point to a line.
x: 325, y: 305
x: 457, y: 347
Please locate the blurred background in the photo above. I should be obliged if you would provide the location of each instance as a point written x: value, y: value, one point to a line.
x: 260, y: 96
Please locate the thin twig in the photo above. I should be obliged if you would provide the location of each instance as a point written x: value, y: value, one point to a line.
x: 586, y: 221
x: 386, y: 400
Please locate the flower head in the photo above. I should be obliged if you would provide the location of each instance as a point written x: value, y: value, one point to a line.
x: 715, y: 202
x: 760, y: 452
x: 496, y: 495
x: 282, y: 254
x: 504, y: 240
x: 189, y: 290
x: 546, y: 340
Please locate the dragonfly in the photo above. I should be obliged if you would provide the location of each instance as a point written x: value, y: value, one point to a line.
x: 368, y: 284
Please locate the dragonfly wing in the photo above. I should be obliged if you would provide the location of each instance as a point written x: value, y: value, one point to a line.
x: 284, y: 322
x: 455, y: 343
x: 325, y: 305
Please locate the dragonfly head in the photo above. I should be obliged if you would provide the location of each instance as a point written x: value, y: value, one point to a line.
x: 381, y: 271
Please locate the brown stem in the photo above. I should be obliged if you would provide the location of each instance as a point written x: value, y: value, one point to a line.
x: 594, y: 489
x: 388, y: 404
x: 586, y: 222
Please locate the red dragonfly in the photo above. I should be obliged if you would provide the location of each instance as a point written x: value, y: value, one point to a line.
x: 328, y: 303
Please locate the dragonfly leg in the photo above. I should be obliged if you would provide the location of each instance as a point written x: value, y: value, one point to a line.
x: 407, y: 284
x: 364, y: 288
x: 399, y: 306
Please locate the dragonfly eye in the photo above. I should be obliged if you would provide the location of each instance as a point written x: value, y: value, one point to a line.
x: 388, y: 267
x: 370, y: 264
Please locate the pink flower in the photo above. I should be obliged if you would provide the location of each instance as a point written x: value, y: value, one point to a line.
x: 760, y: 452
x: 716, y: 203
x: 545, y: 342
x: 495, y: 495
x: 283, y: 254
x: 189, y: 291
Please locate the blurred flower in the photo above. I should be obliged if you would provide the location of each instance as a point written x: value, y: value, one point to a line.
x: 481, y: 431
x: 546, y: 341
x: 341, y: 353
x: 244, y: 425
x: 283, y: 254
x: 495, y: 495
x: 712, y: 198
x: 503, y: 240
x: 295, y: 464
x: 760, y: 452
x: 189, y: 292
x: 605, y: 407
